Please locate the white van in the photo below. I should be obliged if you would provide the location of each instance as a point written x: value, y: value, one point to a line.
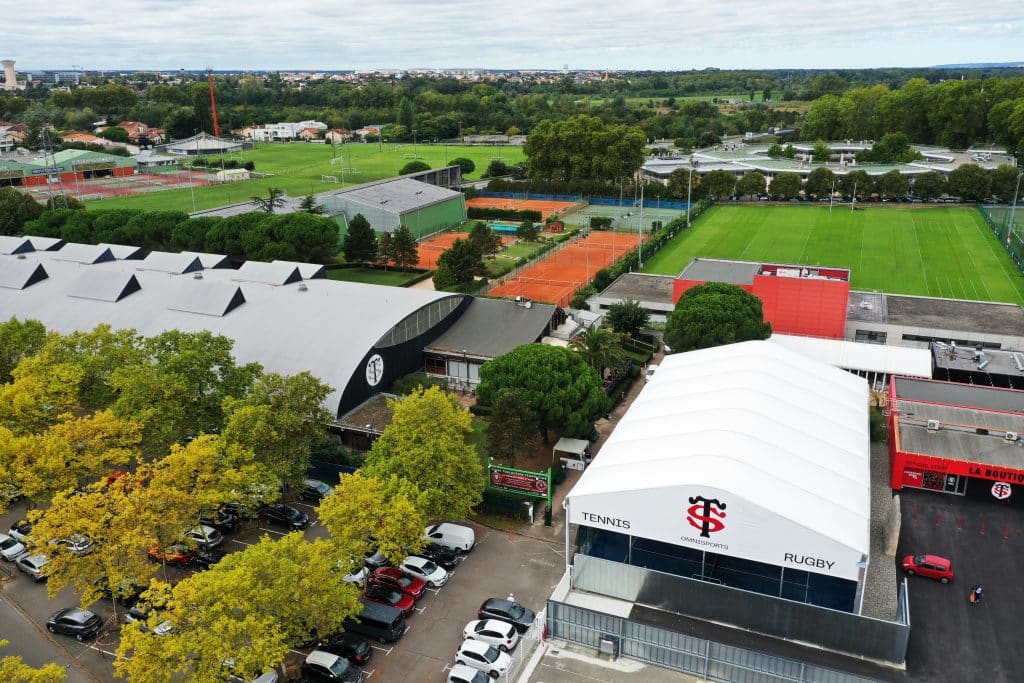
x: 651, y: 369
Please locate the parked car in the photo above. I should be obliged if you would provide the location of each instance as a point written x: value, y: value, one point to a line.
x: 71, y: 621
x: 204, y: 536
x: 286, y: 515
x: 21, y: 529
x: 445, y: 557
x: 424, y: 569
x: 651, y: 369
x: 350, y: 646
x: 375, y: 559
x: 460, y: 673
x: 241, y: 511
x: 11, y: 548
x: 930, y: 566
x: 482, y: 656
x: 77, y: 544
x: 33, y: 566
x: 506, y: 610
x: 179, y: 555
x: 206, y: 558
x: 220, y: 519
x: 455, y: 536
x: 358, y: 575
x: 315, y: 490
x: 127, y: 592
x: 385, y: 624
x: 139, y: 614
x: 268, y: 677
x: 324, y: 666
x: 390, y: 597
x: 500, y: 634
x: 396, y: 579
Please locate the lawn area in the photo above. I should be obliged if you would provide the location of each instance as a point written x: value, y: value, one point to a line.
x: 944, y: 252
x: 297, y: 168
x: 373, y: 276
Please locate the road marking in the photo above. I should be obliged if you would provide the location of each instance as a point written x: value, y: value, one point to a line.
x: 272, y: 531
x: 420, y: 610
x: 298, y: 652
x: 235, y: 540
x: 305, y: 505
x: 100, y: 649
x: 446, y: 667
x: 385, y: 651
x: 368, y: 673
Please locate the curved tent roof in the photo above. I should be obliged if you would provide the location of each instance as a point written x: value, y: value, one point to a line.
x: 782, y: 436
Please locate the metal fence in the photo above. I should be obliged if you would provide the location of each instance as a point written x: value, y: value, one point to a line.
x: 708, y: 659
x: 528, y: 642
x: 1008, y: 227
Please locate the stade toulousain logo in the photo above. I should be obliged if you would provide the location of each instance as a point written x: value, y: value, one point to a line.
x: 706, y: 514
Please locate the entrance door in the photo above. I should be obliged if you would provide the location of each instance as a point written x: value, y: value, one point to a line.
x: 955, y: 484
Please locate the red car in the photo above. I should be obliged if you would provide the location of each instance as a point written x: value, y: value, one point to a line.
x: 931, y: 566
x: 395, y: 578
x: 390, y: 597
x: 175, y: 554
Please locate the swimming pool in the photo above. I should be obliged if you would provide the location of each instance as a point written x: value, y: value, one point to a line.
x: 508, y: 228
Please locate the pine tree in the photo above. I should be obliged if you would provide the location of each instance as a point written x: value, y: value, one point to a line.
x: 406, y: 251
x: 360, y: 243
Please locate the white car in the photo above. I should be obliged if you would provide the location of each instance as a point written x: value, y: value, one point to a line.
x: 499, y: 634
x: 460, y: 673
x: 455, y: 536
x: 357, y: 576
x: 423, y: 568
x: 11, y: 548
x: 78, y: 544
x: 480, y: 655
x: 651, y: 369
x: 205, y: 536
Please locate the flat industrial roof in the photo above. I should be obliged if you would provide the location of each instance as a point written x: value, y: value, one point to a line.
x: 944, y: 314
x: 641, y: 287
x: 492, y: 327
x: 992, y: 361
x: 719, y: 270
x: 964, y: 433
x: 398, y: 196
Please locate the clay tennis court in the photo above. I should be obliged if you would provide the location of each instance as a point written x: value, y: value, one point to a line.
x: 555, y: 279
x: 545, y: 207
x: 123, y: 186
x: 431, y: 248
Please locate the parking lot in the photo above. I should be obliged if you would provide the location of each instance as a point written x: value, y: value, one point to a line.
x: 951, y: 640
x: 501, y: 563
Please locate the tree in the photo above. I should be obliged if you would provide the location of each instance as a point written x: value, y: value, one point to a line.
x: 114, y: 134
x: 893, y: 148
x: 385, y: 249
x: 969, y: 181
x: 414, y: 167
x: 462, y: 261
x: 719, y: 183
x: 14, y: 669
x: 360, y: 243
x: 16, y: 209
x: 627, y: 317
x: 785, y: 185
x: 775, y: 150
x: 19, y: 339
x: 820, y: 182
x: 891, y: 184
x: 680, y: 184
x: 310, y: 205
x: 930, y: 185
x: 1003, y: 184
x: 714, y: 314
x: 496, y: 169
x: 485, y: 239
x: 276, y: 419
x: 599, y: 348
x: 857, y: 183
x: 822, y: 152
x: 583, y: 148
x: 555, y: 382
x: 406, y: 250
x: 528, y: 231
x: 274, y: 200
x: 425, y: 445
x: 466, y: 165
x: 752, y: 184
x: 512, y: 430
x: 444, y: 278
x: 405, y: 114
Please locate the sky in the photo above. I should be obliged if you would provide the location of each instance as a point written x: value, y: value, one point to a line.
x: 517, y: 34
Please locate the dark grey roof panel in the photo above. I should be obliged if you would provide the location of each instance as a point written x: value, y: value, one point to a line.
x: 15, y: 245
x: 16, y: 273
x: 45, y: 243
x: 166, y: 262
x: 125, y: 252
x: 210, y: 260
x: 104, y: 285
x: 207, y: 297
x: 492, y: 327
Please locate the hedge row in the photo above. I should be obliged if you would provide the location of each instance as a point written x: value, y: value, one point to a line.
x: 587, y: 188
x: 506, y: 214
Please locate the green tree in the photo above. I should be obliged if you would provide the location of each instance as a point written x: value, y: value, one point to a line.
x: 360, y: 243
x: 512, y: 430
x: 970, y: 182
x: 627, y: 317
x: 893, y: 148
x: 1003, y: 184
x: 528, y: 231
x: 679, y: 183
x: 823, y: 120
x: 463, y: 261
x: 820, y: 182
x: 485, y: 239
x: 497, y: 168
x: 274, y: 200
x: 385, y: 249
x: 785, y: 185
x: 406, y: 250
x: 891, y: 185
x: 556, y: 383
x: 114, y: 134
x: 16, y: 209
x: 583, y: 148
x: 466, y: 165
x: 719, y: 183
x: 822, y: 152
x: 714, y: 314
x: 775, y: 150
x: 405, y: 116
x: 19, y: 339
x: 930, y: 185
x: 599, y: 348
x: 444, y: 278
x: 414, y: 167
x: 309, y: 204
x: 857, y: 183
x: 425, y: 444
x: 753, y: 183
x: 15, y: 670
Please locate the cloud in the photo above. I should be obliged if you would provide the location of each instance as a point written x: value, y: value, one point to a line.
x: 641, y: 34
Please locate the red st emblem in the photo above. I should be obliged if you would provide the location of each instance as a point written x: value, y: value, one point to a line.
x: 706, y: 514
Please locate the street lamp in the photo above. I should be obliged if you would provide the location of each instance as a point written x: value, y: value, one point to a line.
x: 689, y: 188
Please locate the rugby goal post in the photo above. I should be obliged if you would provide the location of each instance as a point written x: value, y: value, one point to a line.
x: 328, y: 178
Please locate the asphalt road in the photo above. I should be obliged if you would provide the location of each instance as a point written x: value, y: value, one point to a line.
x: 33, y: 644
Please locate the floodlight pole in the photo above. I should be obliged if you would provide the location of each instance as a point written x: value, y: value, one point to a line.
x: 853, y: 201
x: 689, y: 188
x: 640, y: 231
x: 1013, y: 209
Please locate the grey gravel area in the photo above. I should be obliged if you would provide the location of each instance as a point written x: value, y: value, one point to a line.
x: 880, y: 587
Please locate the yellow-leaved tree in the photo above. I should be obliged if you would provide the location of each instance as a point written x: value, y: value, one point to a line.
x: 15, y: 670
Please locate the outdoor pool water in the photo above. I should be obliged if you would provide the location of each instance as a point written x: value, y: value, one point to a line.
x: 507, y: 228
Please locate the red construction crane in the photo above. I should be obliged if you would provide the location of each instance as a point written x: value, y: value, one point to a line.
x: 213, y: 102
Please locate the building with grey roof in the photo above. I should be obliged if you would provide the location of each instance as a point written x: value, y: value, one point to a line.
x: 203, y: 143
x: 210, y: 260
x: 421, y: 207
x: 652, y: 292
x: 15, y: 245
x: 45, y: 243
x: 125, y: 252
x: 357, y: 338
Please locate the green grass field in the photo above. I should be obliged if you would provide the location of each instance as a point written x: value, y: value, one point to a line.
x: 942, y: 252
x: 298, y: 167
x: 373, y: 276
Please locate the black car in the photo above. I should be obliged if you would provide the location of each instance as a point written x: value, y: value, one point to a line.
x: 510, y: 612
x: 127, y: 593
x: 314, y: 490
x: 207, y: 557
x: 348, y: 645
x: 242, y: 511
x: 221, y: 520
x: 71, y: 621
x: 286, y: 515
x: 446, y: 557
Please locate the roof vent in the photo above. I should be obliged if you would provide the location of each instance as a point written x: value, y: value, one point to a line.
x: 21, y: 256
x: 197, y: 275
x: 934, y: 425
x: 983, y: 364
x: 1011, y: 437
x: 303, y: 287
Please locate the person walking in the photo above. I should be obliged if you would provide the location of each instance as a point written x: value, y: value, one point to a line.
x: 511, y: 597
x: 976, y: 594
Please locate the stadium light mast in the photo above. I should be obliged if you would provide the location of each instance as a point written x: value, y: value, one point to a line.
x: 213, y: 103
x: 640, y: 230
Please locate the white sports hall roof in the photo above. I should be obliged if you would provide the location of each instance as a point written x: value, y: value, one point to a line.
x: 859, y: 357
x: 782, y: 438
x: 323, y: 326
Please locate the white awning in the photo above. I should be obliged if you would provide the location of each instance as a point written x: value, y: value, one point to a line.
x: 857, y: 356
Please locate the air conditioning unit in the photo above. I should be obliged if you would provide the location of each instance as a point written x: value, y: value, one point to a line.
x: 934, y: 425
x: 1011, y: 437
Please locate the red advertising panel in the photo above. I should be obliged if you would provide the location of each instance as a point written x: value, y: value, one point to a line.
x: 520, y: 481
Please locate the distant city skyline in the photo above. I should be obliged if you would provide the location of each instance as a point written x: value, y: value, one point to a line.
x: 167, y: 35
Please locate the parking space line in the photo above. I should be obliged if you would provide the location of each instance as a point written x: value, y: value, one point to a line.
x: 446, y: 667
x: 420, y: 610
x: 386, y: 652
x: 235, y: 540
x: 100, y: 649
x: 298, y: 652
x: 305, y: 505
x: 368, y: 673
x: 272, y: 531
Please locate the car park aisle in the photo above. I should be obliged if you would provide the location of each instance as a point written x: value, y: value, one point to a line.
x: 30, y: 642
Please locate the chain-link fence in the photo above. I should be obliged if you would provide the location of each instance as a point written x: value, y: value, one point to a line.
x: 1008, y: 226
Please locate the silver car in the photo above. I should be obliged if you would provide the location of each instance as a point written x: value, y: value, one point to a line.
x: 205, y: 536
x: 11, y: 548
x: 33, y: 566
